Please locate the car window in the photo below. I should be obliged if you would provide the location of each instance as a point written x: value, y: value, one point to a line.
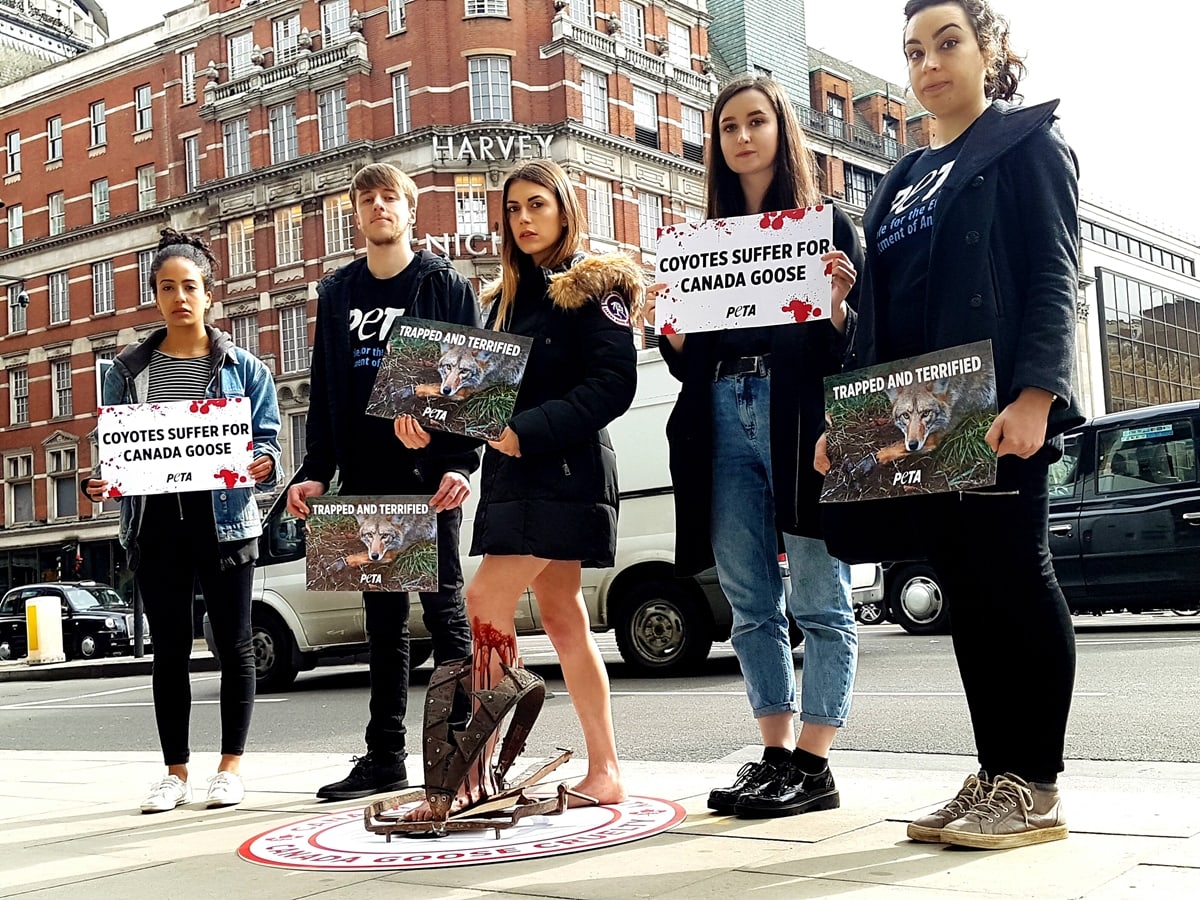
x: 93, y: 598
x: 286, y: 534
x: 1141, y: 457
x: 1064, y: 474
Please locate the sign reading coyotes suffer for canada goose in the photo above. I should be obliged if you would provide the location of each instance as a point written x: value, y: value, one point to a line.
x: 371, y: 544
x: 450, y: 377
x: 915, y: 426
x: 745, y: 271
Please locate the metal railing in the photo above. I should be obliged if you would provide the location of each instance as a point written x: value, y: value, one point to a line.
x: 855, y: 135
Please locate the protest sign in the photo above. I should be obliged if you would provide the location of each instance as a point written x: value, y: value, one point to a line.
x: 450, y: 377
x: 744, y: 272
x: 914, y: 426
x: 371, y: 544
x: 188, y: 445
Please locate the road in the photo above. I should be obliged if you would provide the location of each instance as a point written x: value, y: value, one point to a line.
x: 1137, y: 697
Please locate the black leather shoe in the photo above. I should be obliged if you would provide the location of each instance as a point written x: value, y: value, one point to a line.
x: 749, y: 776
x: 790, y: 793
x: 375, y: 773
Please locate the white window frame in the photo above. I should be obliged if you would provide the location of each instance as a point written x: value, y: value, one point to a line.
x: 693, y: 214
x: 583, y: 12
x: 61, y: 400
x: 12, y: 148
x: 486, y: 8
x: 298, y: 432
x: 633, y: 24
x: 100, y: 204
x: 470, y: 204
x: 244, y: 330
x: 241, y: 48
x: 281, y: 122
x: 599, y: 207
x: 18, y: 319
x: 191, y: 162
x: 285, y: 37
x: 187, y: 76
x: 56, y: 206
x: 103, y: 295
x: 691, y: 120
x: 240, y: 237
x: 289, y: 235
x: 147, y: 186
x: 593, y: 86
x: 143, y: 100
x: 63, y: 481
x: 491, y: 88
x: 401, y: 103
x: 339, y: 224
x: 397, y: 15
x: 679, y: 44
x: 335, y: 21
x: 145, y: 289
x: 236, y: 134
x: 332, y: 119
x: 18, y: 473
x: 99, y: 123
x: 58, y: 288
x: 54, y: 139
x: 18, y: 392
x: 16, y: 225
x: 645, y: 109
x: 650, y: 219
x: 293, y: 339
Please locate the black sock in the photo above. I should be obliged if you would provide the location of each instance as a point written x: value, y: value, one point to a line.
x: 776, y: 756
x: 809, y: 763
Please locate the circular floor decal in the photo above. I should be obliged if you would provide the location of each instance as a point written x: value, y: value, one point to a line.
x: 339, y: 841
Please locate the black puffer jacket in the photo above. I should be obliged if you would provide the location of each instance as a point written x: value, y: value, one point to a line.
x: 558, y: 499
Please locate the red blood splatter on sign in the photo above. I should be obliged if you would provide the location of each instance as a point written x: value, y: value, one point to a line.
x: 776, y: 220
x: 829, y: 269
x: 194, y: 407
x: 819, y: 207
x: 250, y: 445
x: 667, y: 328
x: 229, y: 476
x: 801, y: 310
x: 114, y: 492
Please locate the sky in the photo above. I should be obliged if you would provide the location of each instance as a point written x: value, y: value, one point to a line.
x: 1124, y: 74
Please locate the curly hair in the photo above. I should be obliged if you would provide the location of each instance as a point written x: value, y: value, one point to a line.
x: 1006, y: 69
x: 191, y: 247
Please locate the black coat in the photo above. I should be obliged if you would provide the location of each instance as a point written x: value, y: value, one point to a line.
x: 801, y: 356
x: 558, y: 499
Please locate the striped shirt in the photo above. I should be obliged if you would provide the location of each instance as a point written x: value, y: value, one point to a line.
x: 178, y: 379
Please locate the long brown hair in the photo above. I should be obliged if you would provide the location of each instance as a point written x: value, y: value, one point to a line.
x: 1005, y: 69
x: 794, y: 182
x: 550, y: 175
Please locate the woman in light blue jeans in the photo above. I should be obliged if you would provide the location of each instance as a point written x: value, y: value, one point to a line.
x: 750, y: 410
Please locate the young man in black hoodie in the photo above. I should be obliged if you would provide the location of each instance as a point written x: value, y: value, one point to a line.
x: 357, y: 307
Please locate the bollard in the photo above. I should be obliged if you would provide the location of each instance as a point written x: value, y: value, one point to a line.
x: 43, y: 624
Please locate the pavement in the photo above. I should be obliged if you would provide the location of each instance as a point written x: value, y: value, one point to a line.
x: 70, y: 827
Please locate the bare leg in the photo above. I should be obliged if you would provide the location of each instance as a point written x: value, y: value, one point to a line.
x: 778, y: 730
x: 565, y: 619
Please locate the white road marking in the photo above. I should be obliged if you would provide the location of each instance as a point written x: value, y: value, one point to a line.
x: 58, y: 705
x: 856, y: 694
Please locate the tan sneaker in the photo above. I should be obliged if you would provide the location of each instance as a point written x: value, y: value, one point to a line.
x: 1015, y: 813
x: 929, y: 828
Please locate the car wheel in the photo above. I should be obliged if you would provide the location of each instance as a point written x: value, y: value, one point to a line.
x: 6, y: 651
x: 916, y: 600
x: 419, y: 653
x: 87, y: 646
x: 870, y: 613
x: 1195, y: 610
x: 663, y: 628
x: 274, y: 668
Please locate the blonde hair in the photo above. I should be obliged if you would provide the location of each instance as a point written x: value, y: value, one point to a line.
x: 382, y: 175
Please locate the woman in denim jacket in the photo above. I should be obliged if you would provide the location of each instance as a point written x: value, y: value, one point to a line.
x: 173, y: 539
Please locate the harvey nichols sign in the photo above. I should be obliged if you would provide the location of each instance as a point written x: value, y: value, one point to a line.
x: 494, y: 147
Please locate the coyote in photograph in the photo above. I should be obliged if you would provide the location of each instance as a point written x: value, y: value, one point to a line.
x: 925, y: 412
x: 386, y: 536
x: 464, y: 372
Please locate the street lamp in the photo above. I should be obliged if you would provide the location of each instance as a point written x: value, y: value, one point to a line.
x: 22, y: 298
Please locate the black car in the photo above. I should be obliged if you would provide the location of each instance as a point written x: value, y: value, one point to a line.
x: 1124, y: 521
x: 96, y: 621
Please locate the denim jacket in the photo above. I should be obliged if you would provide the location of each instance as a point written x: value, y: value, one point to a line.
x: 235, y: 373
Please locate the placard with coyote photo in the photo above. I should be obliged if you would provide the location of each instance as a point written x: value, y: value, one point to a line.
x: 914, y: 426
x: 450, y: 377
x: 371, y: 544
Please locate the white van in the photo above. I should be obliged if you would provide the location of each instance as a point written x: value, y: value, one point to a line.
x: 663, y: 624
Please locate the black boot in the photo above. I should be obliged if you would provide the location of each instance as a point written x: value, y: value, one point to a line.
x: 791, y: 792
x: 749, y: 777
x: 377, y: 772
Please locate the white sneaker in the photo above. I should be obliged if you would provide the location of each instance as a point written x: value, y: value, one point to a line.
x: 167, y: 794
x: 225, y: 789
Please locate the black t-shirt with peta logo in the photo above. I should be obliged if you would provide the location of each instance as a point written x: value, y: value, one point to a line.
x: 903, y: 242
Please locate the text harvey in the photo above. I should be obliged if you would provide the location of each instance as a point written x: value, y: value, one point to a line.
x: 744, y: 272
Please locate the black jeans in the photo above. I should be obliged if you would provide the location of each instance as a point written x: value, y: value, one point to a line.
x: 445, y: 617
x: 175, y: 551
x: 1012, y: 630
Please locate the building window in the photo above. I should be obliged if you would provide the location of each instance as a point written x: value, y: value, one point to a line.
x: 293, y: 336
x: 397, y: 18
x: 335, y: 20
x: 54, y: 138
x: 645, y: 117
x: 18, y: 476
x: 400, y: 102
x: 649, y: 219
x: 12, y: 144
x: 60, y: 373
x: 339, y: 224
x: 679, y: 45
x: 487, y: 7
x: 147, y: 187
x: 16, y: 312
x: 241, y: 246
x: 583, y: 12
x: 237, y: 147
x: 103, y: 296
x: 57, y: 205
x: 100, y: 200
x: 61, y: 467
x: 470, y: 204
x: 633, y: 24
x: 187, y: 76
x: 692, y: 122
x: 282, y: 123
x: 143, y: 114
x: 491, y: 88
x: 289, y: 235
x: 835, y: 109
x: 599, y: 207
x: 16, y: 225
x: 241, y: 46
x: 285, y: 33
x: 145, y: 288
x: 331, y: 115
x: 693, y: 214
x: 595, y: 99
x: 59, y: 287
x: 18, y: 391
x: 860, y: 185
x: 99, y: 126
x: 245, y: 332
x: 299, y: 422
x: 191, y: 162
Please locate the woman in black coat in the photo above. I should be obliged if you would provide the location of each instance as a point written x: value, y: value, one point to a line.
x: 993, y: 257
x: 548, y: 493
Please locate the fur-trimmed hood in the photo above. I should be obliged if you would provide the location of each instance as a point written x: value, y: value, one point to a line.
x: 589, y: 277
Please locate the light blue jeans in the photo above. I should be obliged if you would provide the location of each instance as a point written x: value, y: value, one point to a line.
x: 744, y: 544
